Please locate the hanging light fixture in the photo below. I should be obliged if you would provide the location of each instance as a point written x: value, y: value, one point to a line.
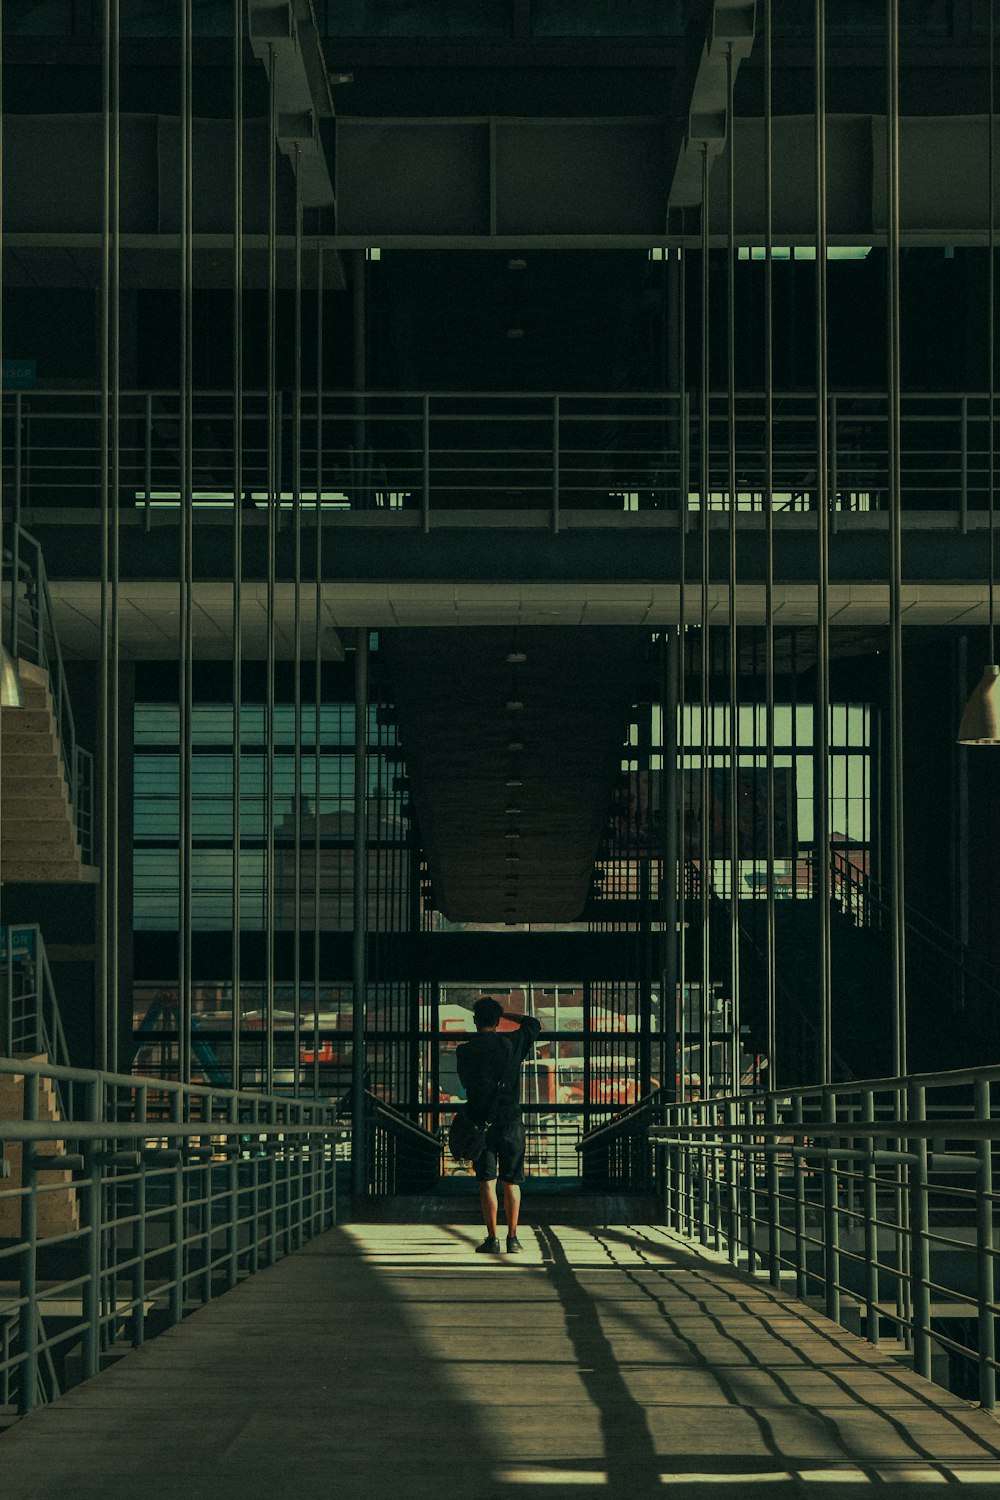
x: 11, y: 687
x: 981, y: 720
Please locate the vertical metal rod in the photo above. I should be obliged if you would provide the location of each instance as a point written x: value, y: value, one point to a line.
x: 177, y: 1219
x: 831, y: 1216
x: 920, y: 1254
x: 92, y: 1284
x: 359, y: 288
x: 773, y: 1200
x: 705, y: 500
x: 898, y: 895
x: 112, y: 880
x: 273, y: 503
x: 29, y: 1320
x: 963, y: 497
x: 555, y: 463
x: 985, y: 1251
x: 138, y: 1290
x: 799, y: 1180
x: 359, y: 955
x: 681, y: 731
x: 318, y: 677
x: 186, y: 621
x: 733, y: 1050
x: 147, y: 466
x: 102, y: 1039
x: 237, y: 618
x: 871, y: 1225
x: 297, y: 642
x: 821, y: 800
x: 990, y: 316
x: 425, y: 433
x: 771, y: 915
x: 669, y: 864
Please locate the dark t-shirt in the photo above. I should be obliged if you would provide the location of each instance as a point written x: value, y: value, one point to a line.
x: 490, y: 1056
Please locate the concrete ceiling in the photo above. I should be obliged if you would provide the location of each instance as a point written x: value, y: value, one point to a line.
x: 472, y: 721
x: 150, y: 611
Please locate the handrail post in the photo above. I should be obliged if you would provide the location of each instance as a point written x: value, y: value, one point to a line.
x: 139, y: 1247
x: 232, y: 1228
x: 920, y: 1263
x: 555, y: 463
x: 831, y: 1215
x: 750, y: 1190
x: 730, y: 1160
x: 92, y: 1284
x: 28, y: 1387
x: 773, y: 1200
x: 799, y: 1180
x: 985, y: 1273
x: 871, y: 1224
x: 177, y: 1217
x: 426, y: 454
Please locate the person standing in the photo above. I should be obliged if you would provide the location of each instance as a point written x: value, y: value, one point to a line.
x: 489, y: 1067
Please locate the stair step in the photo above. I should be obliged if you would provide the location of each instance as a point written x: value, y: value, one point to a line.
x: 48, y: 872
x: 30, y: 783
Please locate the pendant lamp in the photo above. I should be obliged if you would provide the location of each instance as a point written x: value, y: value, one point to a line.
x: 11, y: 689
x: 981, y: 720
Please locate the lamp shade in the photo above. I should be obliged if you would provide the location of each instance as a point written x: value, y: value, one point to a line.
x: 981, y: 720
x: 11, y: 691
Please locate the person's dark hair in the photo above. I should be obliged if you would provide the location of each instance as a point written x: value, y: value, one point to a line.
x: 487, y: 1011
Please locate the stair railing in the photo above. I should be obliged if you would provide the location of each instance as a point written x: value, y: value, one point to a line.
x: 860, y: 897
x: 791, y: 1004
x: 402, y: 1157
x: 618, y: 1153
x: 33, y: 637
x: 31, y: 1021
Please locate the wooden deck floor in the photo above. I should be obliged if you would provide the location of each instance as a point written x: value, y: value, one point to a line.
x: 388, y: 1360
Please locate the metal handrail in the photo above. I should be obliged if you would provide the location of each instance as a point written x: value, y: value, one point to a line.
x: 32, y: 636
x: 30, y: 1020
x: 554, y: 450
x: 879, y: 1193
x: 230, y: 1180
x: 402, y: 1156
x: 864, y: 892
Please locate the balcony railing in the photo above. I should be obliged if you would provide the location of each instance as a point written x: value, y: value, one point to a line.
x: 158, y: 1196
x: 879, y: 1197
x: 557, y: 454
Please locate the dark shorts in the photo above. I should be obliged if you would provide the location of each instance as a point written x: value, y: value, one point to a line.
x: 503, y: 1154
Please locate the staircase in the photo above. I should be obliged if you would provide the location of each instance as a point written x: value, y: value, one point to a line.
x: 57, y: 1209
x: 39, y: 836
x: 46, y: 778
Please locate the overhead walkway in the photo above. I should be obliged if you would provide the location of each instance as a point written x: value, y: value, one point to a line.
x: 390, y: 1360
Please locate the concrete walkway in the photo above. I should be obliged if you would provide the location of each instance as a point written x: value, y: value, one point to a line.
x: 388, y: 1360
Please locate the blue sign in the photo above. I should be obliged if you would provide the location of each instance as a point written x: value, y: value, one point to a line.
x: 20, y: 374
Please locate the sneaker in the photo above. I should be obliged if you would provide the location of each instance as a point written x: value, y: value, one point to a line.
x: 490, y: 1246
x: 513, y: 1244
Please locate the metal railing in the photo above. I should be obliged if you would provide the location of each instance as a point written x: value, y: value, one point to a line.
x: 146, y: 1200
x: 880, y: 1196
x: 619, y: 1154
x: 32, y: 636
x: 401, y: 1157
x: 437, y: 451
x: 30, y: 1022
x: 941, y: 958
